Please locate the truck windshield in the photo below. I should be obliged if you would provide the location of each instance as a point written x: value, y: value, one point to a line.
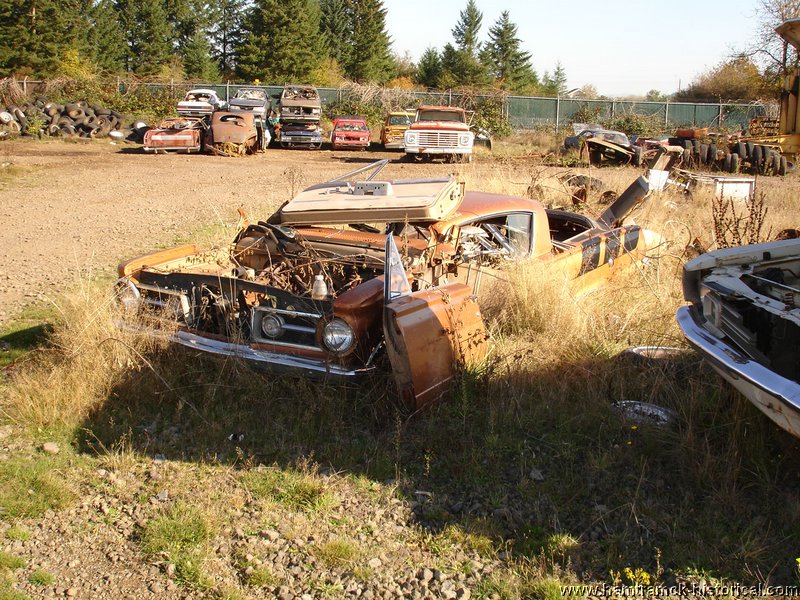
x: 440, y: 115
x: 399, y: 120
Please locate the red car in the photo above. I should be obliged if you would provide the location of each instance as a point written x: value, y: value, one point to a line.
x: 350, y: 132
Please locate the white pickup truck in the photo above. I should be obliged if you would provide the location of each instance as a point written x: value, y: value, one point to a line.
x: 439, y: 131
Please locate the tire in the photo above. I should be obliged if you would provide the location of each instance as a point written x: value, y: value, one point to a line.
x: 756, y: 159
x: 726, y: 163
x: 595, y: 157
x: 711, y: 157
x: 783, y: 166
x: 748, y: 146
x: 696, y: 146
x: 687, y: 144
x: 735, y: 163
x: 741, y: 149
x: 702, y: 153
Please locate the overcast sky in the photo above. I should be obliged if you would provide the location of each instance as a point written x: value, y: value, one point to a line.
x: 622, y: 47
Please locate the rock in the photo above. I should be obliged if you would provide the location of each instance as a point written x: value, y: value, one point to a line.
x: 425, y: 575
x: 270, y: 534
x: 72, y: 592
x: 50, y: 448
x: 170, y: 570
x: 463, y: 594
x: 374, y: 563
x: 156, y: 588
x: 162, y: 496
x: 536, y: 475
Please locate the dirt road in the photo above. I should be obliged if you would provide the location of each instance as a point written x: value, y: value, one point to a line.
x: 69, y: 210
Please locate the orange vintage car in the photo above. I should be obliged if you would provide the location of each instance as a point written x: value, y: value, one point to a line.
x: 318, y: 289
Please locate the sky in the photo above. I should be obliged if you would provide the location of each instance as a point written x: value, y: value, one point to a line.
x: 622, y: 47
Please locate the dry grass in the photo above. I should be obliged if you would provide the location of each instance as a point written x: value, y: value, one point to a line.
x: 87, y: 356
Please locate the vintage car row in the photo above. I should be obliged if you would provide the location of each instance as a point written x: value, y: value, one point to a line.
x: 319, y: 289
x: 744, y: 318
x: 204, y: 124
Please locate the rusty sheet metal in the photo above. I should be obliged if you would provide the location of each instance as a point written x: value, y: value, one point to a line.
x: 430, y: 336
x: 233, y: 128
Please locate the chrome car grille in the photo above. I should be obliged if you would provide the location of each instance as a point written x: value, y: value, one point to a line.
x: 438, y: 139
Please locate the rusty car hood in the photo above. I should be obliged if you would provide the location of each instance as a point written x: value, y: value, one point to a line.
x: 234, y: 128
x: 340, y: 202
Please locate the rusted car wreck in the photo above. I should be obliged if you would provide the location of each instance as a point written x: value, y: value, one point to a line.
x: 318, y: 289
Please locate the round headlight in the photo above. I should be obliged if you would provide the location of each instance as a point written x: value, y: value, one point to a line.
x: 463, y: 140
x: 128, y: 294
x: 272, y: 325
x: 338, y: 336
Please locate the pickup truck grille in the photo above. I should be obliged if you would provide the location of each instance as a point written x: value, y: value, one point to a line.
x: 438, y: 139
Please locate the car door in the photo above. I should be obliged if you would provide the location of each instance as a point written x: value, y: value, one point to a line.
x: 430, y: 335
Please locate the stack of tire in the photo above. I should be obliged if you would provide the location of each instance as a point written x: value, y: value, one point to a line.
x: 75, y: 119
x: 697, y: 153
x: 761, y: 160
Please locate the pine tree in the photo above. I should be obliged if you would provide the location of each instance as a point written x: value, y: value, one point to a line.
x: 35, y: 34
x: 105, y: 41
x: 148, y: 34
x: 429, y: 68
x: 227, y: 33
x: 335, y: 26
x: 468, y: 28
x: 555, y: 84
x: 371, y: 59
x: 197, y: 60
x: 282, y: 41
x: 507, y: 62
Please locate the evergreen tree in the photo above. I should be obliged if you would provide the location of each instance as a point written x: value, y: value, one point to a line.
x: 371, y: 59
x: 507, y: 62
x: 35, y: 34
x: 282, y: 41
x: 197, y: 60
x: 105, y: 41
x: 337, y: 32
x: 555, y: 84
x: 468, y: 28
x: 429, y: 69
x: 148, y: 35
x: 227, y: 33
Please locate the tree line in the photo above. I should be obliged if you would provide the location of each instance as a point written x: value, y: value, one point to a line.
x: 272, y: 41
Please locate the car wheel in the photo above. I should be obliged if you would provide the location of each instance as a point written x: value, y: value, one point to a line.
x: 726, y: 163
x: 783, y: 166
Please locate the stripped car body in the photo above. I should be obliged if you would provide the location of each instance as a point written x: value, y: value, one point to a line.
x: 253, y: 99
x: 317, y: 290
x: 394, y: 128
x: 200, y: 103
x: 744, y: 319
x: 236, y: 134
x: 300, y: 103
x: 439, y: 131
x: 176, y: 134
x: 350, y: 132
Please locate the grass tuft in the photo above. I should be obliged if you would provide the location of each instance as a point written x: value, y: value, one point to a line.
x: 29, y: 487
x: 41, y: 577
x: 9, y: 562
x: 294, y: 490
x: 338, y: 553
x: 17, y: 534
x: 180, y: 536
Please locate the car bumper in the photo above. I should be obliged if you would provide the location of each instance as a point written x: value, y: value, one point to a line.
x: 774, y: 395
x: 276, y: 362
x: 175, y: 149
x: 349, y: 144
x: 394, y: 145
x: 438, y: 150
